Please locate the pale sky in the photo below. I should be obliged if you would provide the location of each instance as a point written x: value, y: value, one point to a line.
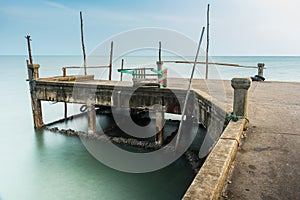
x: 238, y: 27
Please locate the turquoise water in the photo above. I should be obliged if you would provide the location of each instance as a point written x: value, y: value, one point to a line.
x: 45, y: 165
x: 278, y: 68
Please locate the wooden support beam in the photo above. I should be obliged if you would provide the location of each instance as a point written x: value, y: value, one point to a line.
x: 80, y: 67
x: 210, y: 63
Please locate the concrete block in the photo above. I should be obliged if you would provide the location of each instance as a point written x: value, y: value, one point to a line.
x: 211, y: 178
x: 234, y: 130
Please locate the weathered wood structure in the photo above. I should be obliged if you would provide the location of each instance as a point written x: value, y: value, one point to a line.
x: 86, y: 90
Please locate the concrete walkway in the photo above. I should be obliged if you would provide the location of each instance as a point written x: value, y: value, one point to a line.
x: 267, y: 165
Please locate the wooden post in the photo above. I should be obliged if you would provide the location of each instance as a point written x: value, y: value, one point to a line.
x: 64, y: 71
x: 91, y: 112
x: 82, y: 43
x: 261, y: 67
x: 65, y: 103
x: 188, y: 91
x: 122, y: 67
x: 29, y: 49
x: 33, y: 74
x: 159, y: 62
x: 111, y: 60
x: 66, y: 110
x: 160, y: 119
x: 159, y: 52
x: 207, y: 42
x: 240, y: 102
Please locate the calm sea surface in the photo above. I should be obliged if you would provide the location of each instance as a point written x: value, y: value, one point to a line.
x: 45, y: 165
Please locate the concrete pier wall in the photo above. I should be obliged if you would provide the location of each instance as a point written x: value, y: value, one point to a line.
x: 110, y: 95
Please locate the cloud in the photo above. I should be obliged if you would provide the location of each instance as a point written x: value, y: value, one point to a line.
x: 58, y: 5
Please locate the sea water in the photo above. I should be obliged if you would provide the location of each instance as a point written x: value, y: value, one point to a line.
x: 45, y: 165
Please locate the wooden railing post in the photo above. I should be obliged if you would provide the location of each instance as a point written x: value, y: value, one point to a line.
x: 64, y: 71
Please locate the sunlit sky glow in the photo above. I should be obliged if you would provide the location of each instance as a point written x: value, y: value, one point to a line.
x: 248, y: 27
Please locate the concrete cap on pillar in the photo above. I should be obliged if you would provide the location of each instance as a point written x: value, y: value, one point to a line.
x: 34, y: 66
x: 241, y: 83
x: 261, y: 64
x: 157, y: 107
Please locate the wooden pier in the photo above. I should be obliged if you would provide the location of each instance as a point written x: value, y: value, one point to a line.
x: 105, y: 93
x: 206, y: 102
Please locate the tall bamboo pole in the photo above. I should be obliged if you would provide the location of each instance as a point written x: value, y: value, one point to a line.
x: 188, y: 91
x: 82, y: 43
x: 159, y: 52
x: 111, y: 59
x: 122, y: 67
x: 207, y: 42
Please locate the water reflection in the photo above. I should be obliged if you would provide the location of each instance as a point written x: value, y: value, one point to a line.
x: 63, y: 168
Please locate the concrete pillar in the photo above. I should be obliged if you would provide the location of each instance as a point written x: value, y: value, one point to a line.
x: 261, y: 67
x: 159, y: 68
x: 240, y: 102
x: 37, y: 112
x: 33, y: 71
x: 160, y: 119
x: 91, y: 112
x: 33, y: 74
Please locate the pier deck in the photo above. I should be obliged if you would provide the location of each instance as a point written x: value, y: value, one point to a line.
x: 267, y: 164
